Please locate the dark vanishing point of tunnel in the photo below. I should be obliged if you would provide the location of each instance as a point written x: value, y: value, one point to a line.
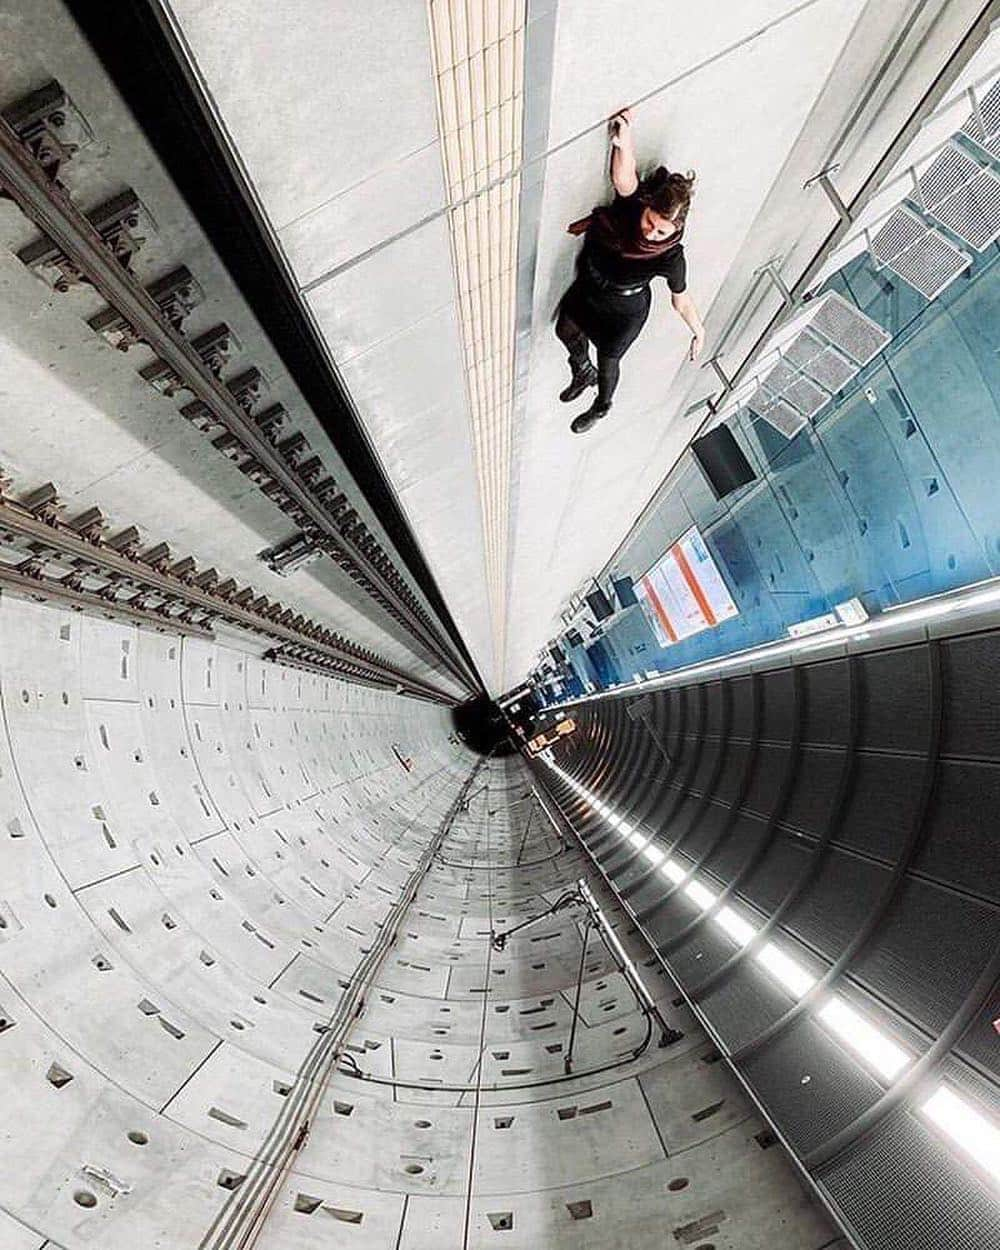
x: 483, y: 727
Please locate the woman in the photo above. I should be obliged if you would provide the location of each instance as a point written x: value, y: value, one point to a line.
x: 627, y: 244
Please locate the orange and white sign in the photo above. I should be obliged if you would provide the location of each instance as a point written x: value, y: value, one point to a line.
x: 684, y: 593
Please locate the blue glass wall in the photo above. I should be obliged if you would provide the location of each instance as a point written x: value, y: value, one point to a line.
x: 893, y: 494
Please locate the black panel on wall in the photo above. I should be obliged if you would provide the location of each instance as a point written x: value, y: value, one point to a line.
x: 721, y: 459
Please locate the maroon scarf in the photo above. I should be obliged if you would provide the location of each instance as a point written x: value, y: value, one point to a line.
x: 618, y: 231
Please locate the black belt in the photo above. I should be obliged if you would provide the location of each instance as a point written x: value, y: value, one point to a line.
x: 611, y: 288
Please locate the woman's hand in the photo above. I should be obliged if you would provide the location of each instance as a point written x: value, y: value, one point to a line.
x: 621, y: 129
x: 697, y: 343
x: 624, y: 176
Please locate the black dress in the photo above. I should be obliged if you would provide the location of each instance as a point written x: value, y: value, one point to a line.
x: 610, y: 298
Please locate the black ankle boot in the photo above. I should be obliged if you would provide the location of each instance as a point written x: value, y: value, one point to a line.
x: 585, y: 420
x: 584, y: 376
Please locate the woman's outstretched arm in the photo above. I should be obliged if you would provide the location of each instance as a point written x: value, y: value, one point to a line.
x: 685, y: 308
x: 623, y: 171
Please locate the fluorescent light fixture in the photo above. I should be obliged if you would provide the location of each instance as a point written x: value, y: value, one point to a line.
x: 968, y: 1128
x: 740, y: 930
x: 878, y: 1050
x: 700, y: 894
x: 784, y: 969
x: 977, y: 1136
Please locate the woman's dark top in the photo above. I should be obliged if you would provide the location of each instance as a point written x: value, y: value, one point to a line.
x: 610, y: 299
x: 612, y: 266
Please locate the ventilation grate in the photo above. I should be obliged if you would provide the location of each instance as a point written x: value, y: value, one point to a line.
x: 803, y: 349
x: 986, y: 135
x: 831, y: 369
x: 973, y: 211
x: 804, y: 395
x: 918, y: 253
x: 783, y: 417
x: 949, y: 171
x: 848, y: 329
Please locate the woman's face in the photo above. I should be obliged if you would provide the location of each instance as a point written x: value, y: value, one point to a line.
x: 655, y: 226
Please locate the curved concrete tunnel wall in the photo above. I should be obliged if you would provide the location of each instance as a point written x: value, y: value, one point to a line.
x: 845, y: 809
x: 199, y: 852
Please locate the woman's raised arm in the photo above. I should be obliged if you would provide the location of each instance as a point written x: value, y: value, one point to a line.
x: 623, y: 170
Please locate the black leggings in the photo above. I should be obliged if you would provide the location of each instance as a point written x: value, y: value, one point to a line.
x: 578, y: 346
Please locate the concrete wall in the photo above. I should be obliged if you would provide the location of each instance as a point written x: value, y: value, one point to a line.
x: 197, y: 850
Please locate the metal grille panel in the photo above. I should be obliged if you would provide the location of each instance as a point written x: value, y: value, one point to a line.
x: 806, y: 396
x: 973, y: 211
x: 784, y: 418
x: 778, y: 378
x: 811, y: 1087
x: 903, y: 1189
x: 831, y: 370
x: 901, y: 230
x: 803, y: 348
x: 927, y: 261
x: 952, y: 169
x: 851, y: 331
x: 986, y: 136
x: 744, y: 1005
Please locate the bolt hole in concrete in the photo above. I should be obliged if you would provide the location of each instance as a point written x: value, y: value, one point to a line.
x: 502, y: 1221
x: 413, y: 1169
x: 138, y: 1138
x: 680, y: 1182
x: 421, y: 1123
x: 84, y: 1198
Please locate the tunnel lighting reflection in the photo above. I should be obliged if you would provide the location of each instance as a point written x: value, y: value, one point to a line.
x: 700, y: 894
x: 740, y: 930
x: 973, y: 1132
x: 785, y: 970
x: 879, y: 1051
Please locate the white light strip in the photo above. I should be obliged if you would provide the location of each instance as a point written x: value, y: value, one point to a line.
x: 878, y: 1051
x: 973, y: 1132
x: 740, y: 930
x: 785, y: 970
x: 970, y: 1130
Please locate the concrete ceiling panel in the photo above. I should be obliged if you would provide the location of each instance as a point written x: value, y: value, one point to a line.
x: 384, y: 204
x: 315, y: 95
x: 383, y: 295
x: 652, y: 44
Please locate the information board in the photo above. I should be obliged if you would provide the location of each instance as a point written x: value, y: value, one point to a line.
x: 684, y: 592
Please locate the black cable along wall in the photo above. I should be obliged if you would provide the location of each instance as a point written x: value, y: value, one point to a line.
x: 852, y: 804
